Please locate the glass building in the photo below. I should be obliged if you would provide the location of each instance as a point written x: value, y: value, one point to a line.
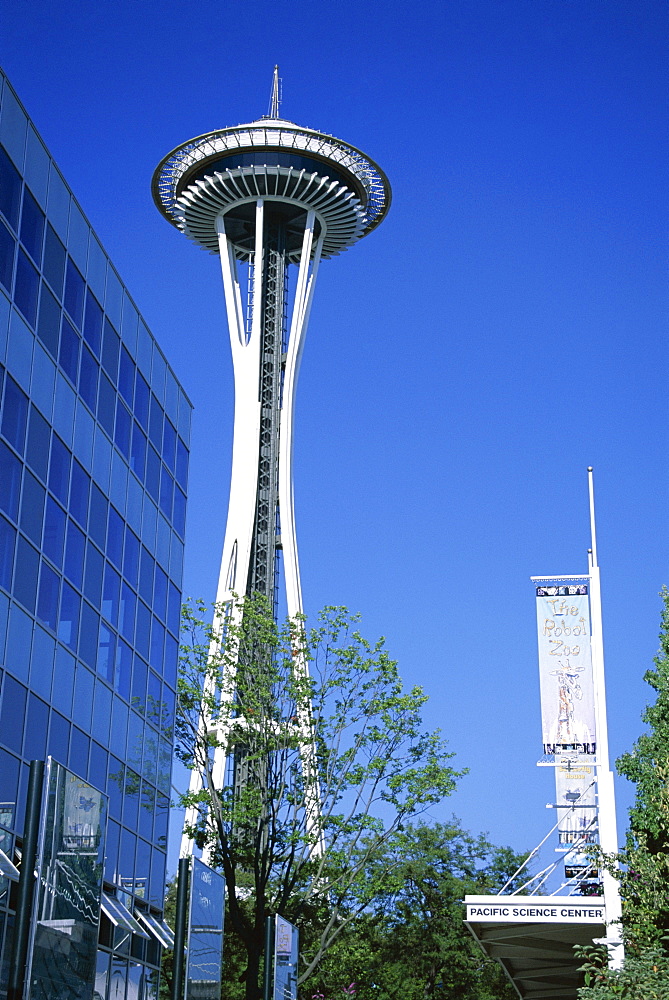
x: 94, y: 436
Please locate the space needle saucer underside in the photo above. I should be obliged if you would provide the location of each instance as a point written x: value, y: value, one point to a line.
x: 338, y: 210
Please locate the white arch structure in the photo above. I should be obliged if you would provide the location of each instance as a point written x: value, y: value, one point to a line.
x: 222, y: 190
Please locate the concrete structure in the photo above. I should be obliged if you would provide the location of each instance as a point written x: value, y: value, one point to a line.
x: 94, y: 436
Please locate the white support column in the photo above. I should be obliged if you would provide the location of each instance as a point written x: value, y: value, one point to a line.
x: 606, y: 811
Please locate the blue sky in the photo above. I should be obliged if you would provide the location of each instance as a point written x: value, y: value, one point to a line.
x: 503, y: 329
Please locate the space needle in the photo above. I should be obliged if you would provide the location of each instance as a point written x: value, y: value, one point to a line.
x: 268, y: 197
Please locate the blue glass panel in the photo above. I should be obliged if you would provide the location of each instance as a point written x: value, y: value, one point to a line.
x: 7, y: 248
x: 97, y: 767
x: 37, y: 449
x: 14, y: 696
x: 131, y: 798
x: 54, y: 532
x: 48, y: 324
x: 131, y: 557
x: 106, y: 655
x: 171, y: 658
x: 153, y: 706
x: 59, y: 470
x: 10, y: 481
x: 25, y: 573
x: 10, y: 190
x: 179, y: 516
x: 119, y: 727
x: 126, y: 377
x: 157, y: 880
x: 19, y: 641
x: 26, y: 287
x: 88, y: 639
x: 32, y: 508
x: 74, y: 293
x: 161, y: 820
x: 147, y: 808
x: 150, y: 763
x: 127, y: 615
x: 123, y: 669
x: 166, y: 492
x: 110, y: 594
x: 79, y: 489
x: 54, y: 261
x: 111, y: 345
x: 98, y: 516
x: 115, y: 538
x: 157, y: 644
x: 156, y: 423
x: 146, y: 576
x: 69, y: 350
x: 74, y: 554
x: 106, y: 404
x: 164, y: 766
x: 143, y: 629
x: 153, y: 467
x: 138, y: 451
x: 160, y: 594
x: 93, y: 324
x: 47, y: 604
x: 169, y: 445
x: 32, y: 227
x: 102, y: 711
x: 83, y: 697
x: 174, y: 609
x: 9, y: 782
x: 63, y: 687
x: 41, y: 662
x: 68, y: 625
x: 142, y: 396
x: 139, y: 679
x: 111, y: 860
x: 135, y: 743
x: 37, y: 165
x: 37, y: 718
x: 168, y: 705
x: 93, y: 575
x: 79, y: 747
x: 14, y: 414
x: 59, y: 737
x: 123, y: 428
x: 88, y: 379
x: 7, y: 543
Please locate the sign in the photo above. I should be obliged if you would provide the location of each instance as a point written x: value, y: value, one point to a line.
x: 286, y: 953
x: 565, y: 669
x: 576, y: 802
x: 205, y: 933
x: 535, y: 909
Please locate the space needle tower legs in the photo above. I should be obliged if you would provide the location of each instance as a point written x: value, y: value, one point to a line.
x: 268, y: 195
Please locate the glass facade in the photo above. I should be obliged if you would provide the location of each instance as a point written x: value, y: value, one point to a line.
x: 94, y: 438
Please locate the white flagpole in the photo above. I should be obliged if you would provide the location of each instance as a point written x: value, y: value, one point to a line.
x: 608, y: 834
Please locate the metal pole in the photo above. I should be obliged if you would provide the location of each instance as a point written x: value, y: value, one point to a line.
x: 608, y: 834
x: 26, y: 890
x: 269, y: 958
x: 180, y: 928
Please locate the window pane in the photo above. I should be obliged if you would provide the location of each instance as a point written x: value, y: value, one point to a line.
x: 115, y: 538
x: 26, y: 287
x: 153, y: 474
x: 37, y: 451
x: 138, y: 451
x: 68, y: 626
x: 59, y: 470
x: 7, y: 542
x: 32, y: 227
x: 142, y: 400
x: 166, y: 492
x: 126, y: 377
x: 111, y: 345
x: 131, y: 557
x: 93, y: 324
x: 74, y: 554
x: 14, y: 697
x: 88, y: 639
x: 174, y: 609
x: 123, y: 669
x: 179, y: 517
x: 74, y: 293
x: 54, y: 532
x: 98, y: 517
x: 10, y: 190
x: 54, y: 261
x: 10, y: 481
x: 32, y: 508
x: 143, y: 629
x: 160, y: 594
x: 47, y: 604
x: 14, y: 415
x: 69, y: 350
x: 122, y: 430
x: 25, y: 577
x: 79, y: 494
x: 110, y: 594
x: 7, y: 248
x: 88, y: 379
x: 146, y: 576
x: 93, y: 574
x: 156, y: 423
x: 48, y: 325
x: 105, y: 661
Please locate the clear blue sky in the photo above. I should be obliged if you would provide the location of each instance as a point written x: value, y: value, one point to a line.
x: 502, y: 330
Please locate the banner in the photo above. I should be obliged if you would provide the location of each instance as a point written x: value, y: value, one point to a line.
x: 565, y: 669
x: 577, y: 806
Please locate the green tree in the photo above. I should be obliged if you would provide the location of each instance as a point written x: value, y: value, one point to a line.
x: 334, y: 760
x: 412, y: 942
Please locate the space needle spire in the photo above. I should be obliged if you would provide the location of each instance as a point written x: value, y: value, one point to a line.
x: 273, y: 200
